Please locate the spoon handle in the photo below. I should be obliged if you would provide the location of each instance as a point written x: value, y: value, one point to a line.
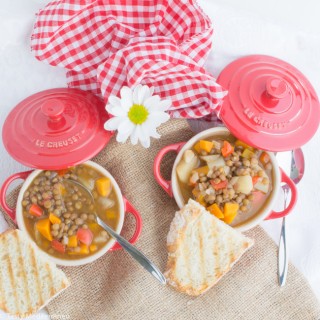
x: 282, y: 253
x: 135, y: 253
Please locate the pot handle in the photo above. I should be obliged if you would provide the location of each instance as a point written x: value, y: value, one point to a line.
x: 165, y: 184
x: 3, y: 192
x: 293, y: 200
x: 129, y: 209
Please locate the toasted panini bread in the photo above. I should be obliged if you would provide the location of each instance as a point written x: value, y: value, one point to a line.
x: 201, y: 249
x: 28, y: 281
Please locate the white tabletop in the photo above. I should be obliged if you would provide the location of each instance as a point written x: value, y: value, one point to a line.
x: 288, y: 30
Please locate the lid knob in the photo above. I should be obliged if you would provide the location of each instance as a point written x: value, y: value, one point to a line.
x: 53, y: 109
x: 276, y: 88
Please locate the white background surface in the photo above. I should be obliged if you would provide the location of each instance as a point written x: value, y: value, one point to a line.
x: 289, y: 30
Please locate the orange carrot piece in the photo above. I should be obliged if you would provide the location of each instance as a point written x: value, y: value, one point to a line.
x: 264, y: 158
x: 220, y: 185
x: 35, y: 211
x: 227, y: 148
x: 255, y: 179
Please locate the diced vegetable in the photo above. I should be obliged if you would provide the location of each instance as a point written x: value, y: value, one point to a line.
x: 103, y: 186
x: 262, y: 187
x: 203, y: 170
x: 240, y: 143
x: 215, y: 210
x: 230, y: 208
x: 230, y: 211
x: 62, y: 172
x: 220, y: 185
x: 217, y: 144
x: 259, y: 185
x: 197, y: 147
x: 219, y: 162
x: 188, y: 156
x: 255, y: 179
x: 111, y: 214
x: 247, y: 153
x: 214, y: 160
x: 58, y: 246
x: 94, y: 227
x: 206, y: 145
x: 54, y: 219
x: 84, y: 249
x: 106, y: 203
x: 264, y: 158
x: 194, y: 178
x: 184, y: 168
x: 35, y: 210
x: 227, y: 149
x: 210, y: 158
x: 43, y: 226
x: 93, y: 248
x: 234, y: 180
x: 200, y: 199
x: 72, y: 242
x: 88, y: 183
x: 62, y: 189
x: 244, y: 184
x: 226, y: 170
x: 85, y: 236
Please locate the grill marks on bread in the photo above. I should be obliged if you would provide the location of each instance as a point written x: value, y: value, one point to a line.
x: 201, y: 249
x: 27, y: 279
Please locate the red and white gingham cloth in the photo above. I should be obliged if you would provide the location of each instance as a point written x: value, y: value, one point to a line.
x: 106, y: 44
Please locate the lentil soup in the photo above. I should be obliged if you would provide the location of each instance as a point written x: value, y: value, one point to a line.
x: 230, y: 178
x: 60, y: 216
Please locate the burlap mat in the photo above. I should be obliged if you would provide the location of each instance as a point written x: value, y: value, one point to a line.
x: 116, y: 287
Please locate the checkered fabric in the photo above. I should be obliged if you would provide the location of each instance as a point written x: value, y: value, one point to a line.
x: 106, y: 44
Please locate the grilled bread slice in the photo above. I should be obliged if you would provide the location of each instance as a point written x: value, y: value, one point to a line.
x: 201, y: 249
x: 28, y: 281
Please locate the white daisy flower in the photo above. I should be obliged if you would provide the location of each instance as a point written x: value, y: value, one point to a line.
x: 137, y: 114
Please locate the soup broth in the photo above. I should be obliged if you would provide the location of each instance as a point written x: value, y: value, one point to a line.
x: 60, y: 215
x: 231, y: 179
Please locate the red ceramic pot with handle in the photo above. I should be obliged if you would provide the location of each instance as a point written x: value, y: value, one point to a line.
x: 278, y: 177
x: 125, y: 207
x: 56, y: 129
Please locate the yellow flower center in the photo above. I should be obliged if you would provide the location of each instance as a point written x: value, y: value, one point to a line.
x: 138, y: 114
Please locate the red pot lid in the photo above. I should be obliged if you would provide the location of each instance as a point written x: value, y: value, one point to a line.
x: 56, y: 129
x: 271, y: 105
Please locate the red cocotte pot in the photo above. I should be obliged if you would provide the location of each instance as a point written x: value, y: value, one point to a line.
x: 271, y: 106
x: 53, y: 130
x: 278, y: 177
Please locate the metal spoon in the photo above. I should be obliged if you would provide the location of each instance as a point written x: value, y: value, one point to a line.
x: 135, y: 253
x: 296, y: 174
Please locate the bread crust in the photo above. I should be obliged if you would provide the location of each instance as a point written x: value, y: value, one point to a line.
x: 14, y: 270
x: 191, y: 214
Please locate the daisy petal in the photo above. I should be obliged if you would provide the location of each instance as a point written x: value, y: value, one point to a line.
x: 164, y: 105
x: 144, y: 137
x: 151, y: 130
x: 114, y: 101
x: 135, y: 135
x: 116, y: 111
x: 158, y: 118
x: 123, y: 136
x: 113, y: 123
x: 126, y: 98
x: 143, y: 94
x: 152, y: 103
x: 135, y: 95
x: 126, y: 126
